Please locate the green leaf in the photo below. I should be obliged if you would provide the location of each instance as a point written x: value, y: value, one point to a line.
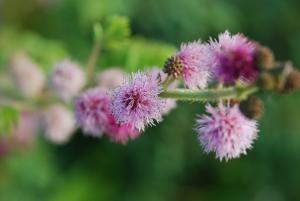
x: 9, y: 117
x: 116, y: 32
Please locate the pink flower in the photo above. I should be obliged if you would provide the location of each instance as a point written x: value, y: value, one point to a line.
x: 191, y: 64
x: 137, y: 101
x: 67, y: 79
x: 120, y: 133
x: 27, y: 75
x: 91, y: 111
x: 233, y: 58
x: 58, y: 123
x: 226, y: 131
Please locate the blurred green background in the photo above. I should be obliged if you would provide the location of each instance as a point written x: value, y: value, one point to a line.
x: 166, y: 162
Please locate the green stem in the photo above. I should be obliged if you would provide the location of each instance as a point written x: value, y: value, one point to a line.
x: 238, y: 93
x: 168, y: 81
x: 93, y: 59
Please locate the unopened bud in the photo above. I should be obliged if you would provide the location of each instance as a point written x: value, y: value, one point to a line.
x: 266, y: 81
x: 264, y: 58
x: 253, y: 107
x: 173, y: 66
x: 292, y: 82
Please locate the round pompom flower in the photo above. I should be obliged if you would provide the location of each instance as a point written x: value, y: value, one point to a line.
x: 233, y: 58
x: 92, y: 109
x: 27, y: 75
x: 191, y: 64
x: 226, y: 131
x: 58, y: 123
x: 67, y: 79
x: 137, y: 101
x: 120, y: 133
x: 110, y: 78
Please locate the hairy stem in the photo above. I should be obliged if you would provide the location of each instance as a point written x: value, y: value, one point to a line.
x: 237, y: 93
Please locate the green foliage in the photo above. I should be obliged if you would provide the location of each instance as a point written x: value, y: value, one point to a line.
x: 8, y: 119
x: 45, y: 51
x: 116, y: 32
x: 90, y: 11
x: 139, y: 54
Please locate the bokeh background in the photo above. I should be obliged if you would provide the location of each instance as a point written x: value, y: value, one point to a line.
x: 166, y: 162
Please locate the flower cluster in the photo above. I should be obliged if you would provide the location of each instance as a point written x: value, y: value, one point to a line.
x: 227, y: 71
x: 93, y: 114
x: 123, y: 110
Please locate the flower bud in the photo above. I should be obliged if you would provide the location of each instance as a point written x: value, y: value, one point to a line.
x: 266, y: 81
x: 173, y: 66
x: 26, y: 75
x: 264, y: 58
x: 253, y: 107
x: 292, y: 82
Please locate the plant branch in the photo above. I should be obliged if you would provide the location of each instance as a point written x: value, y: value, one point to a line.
x: 93, y: 59
x: 238, y: 93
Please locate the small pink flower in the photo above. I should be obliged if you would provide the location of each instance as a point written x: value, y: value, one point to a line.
x: 233, y: 58
x: 27, y: 75
x: 58, y: 123
x: 226, y: 131
x: 91, y: 111
x: 137, y: 101
x: 67, y: 79
x: 120, y: 133
x: 191, y: 64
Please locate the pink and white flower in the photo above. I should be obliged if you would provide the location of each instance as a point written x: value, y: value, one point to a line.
x: 92, y: 108
x: 226, y: 131
x: 233, y: 58
x: 58, y: 123
x: 137, y: 101
x: 27, y: 75
x: 67, y: 79
x: 120, y: 133
x: 191, y: 63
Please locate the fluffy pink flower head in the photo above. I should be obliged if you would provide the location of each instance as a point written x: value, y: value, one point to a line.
x: 137, y: 101
x: 67, y: 79
x: 191, y: 64
x: 92, y: 111
x: 233, y: 58
x: 226, y: 132
x: 58, y: 123
x: 120, y: 133
x: 27, y: 75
